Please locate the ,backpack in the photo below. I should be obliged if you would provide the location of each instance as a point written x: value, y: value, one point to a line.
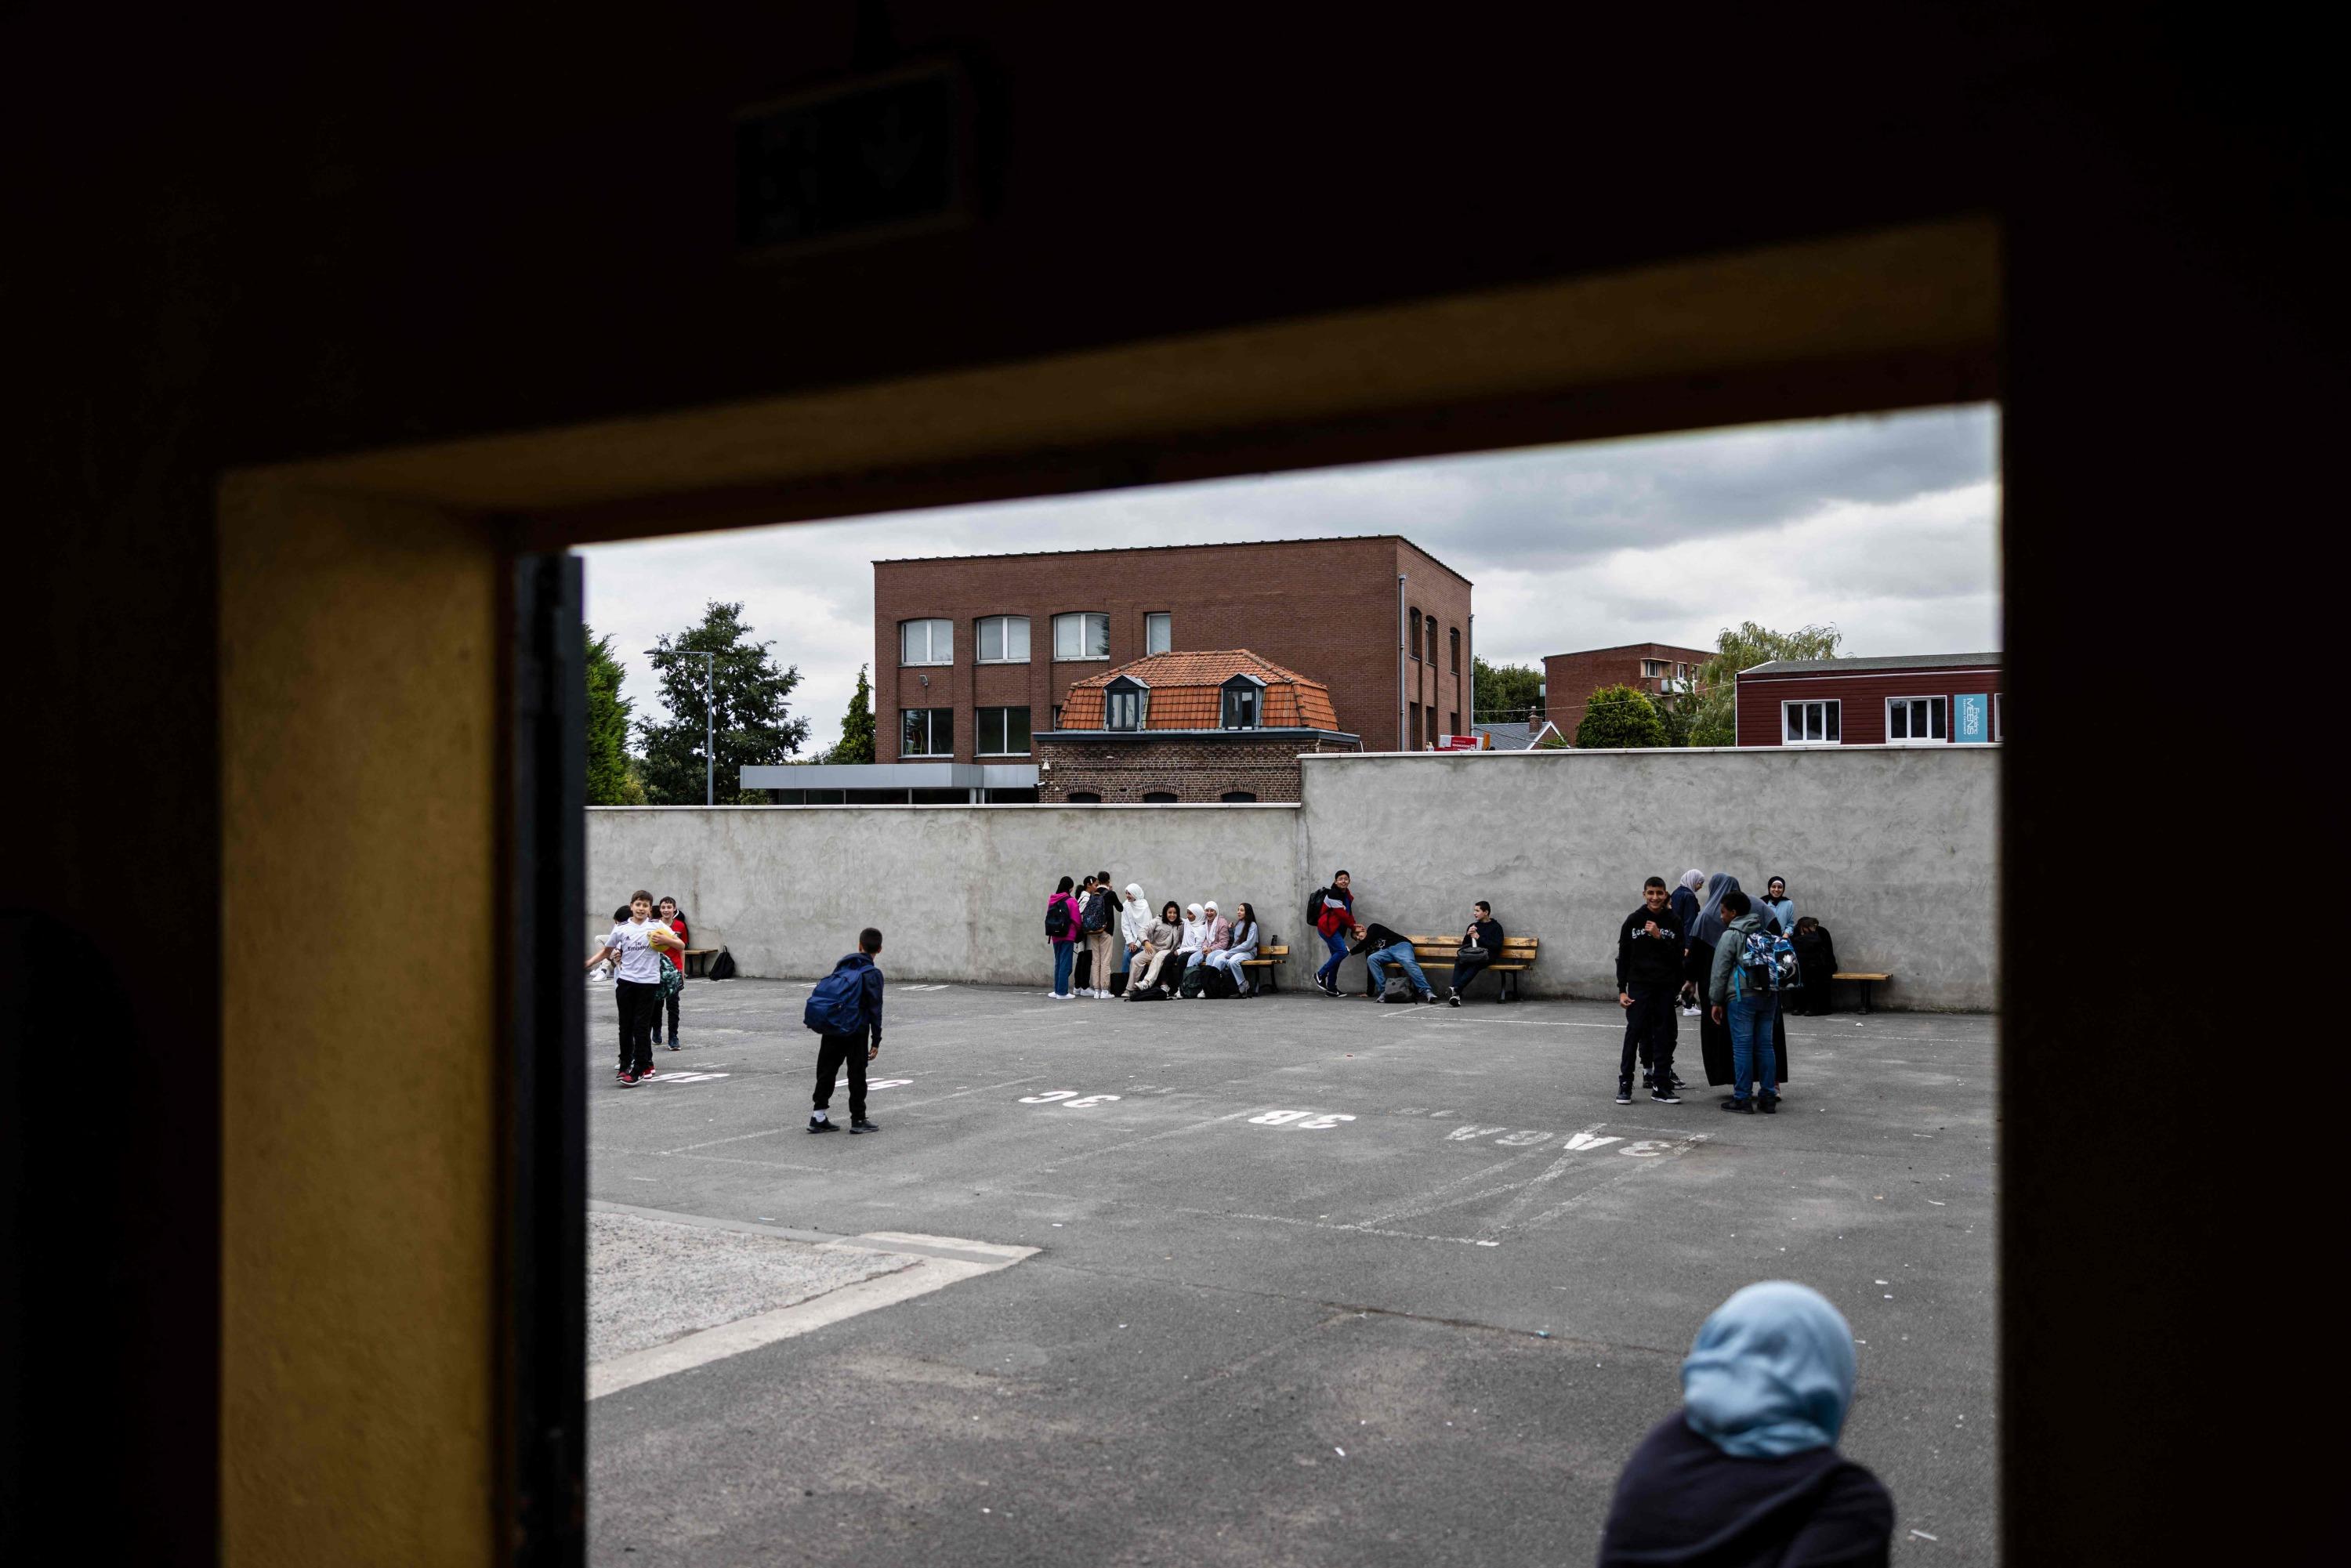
x: 1766, y: 963
x: 722, y: 968
x: 837, y: 1006
x: 1056, y: 917
x: 1397, y: 988
x: 1194, y: 978
x: 1314, y: 908
x: 1098, y: 912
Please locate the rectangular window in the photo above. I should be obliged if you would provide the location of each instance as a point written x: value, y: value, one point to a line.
x: 1158, y: 632
x: 1004, y: 640
x: 926, y: 732
x: 1912, y: 719
x: 1004, y: 732
x: 1080, y: 635
x: 1413, y: 710
x: 926, y: 642
x: 1809, y: 724
x: 1653, y: 668
x: 1454, y: 639
x: 1452, y: 724
x: 1123, y: 707
x: 1240, y: 707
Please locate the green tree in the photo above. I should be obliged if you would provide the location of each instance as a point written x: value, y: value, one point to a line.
x: 1678, y: 711
x: 746, y: 697
x: 856, y: 744
x: 1505, y: 691
x: 1618, y: 716
x: 1715, y: 722
x: 608, y: 726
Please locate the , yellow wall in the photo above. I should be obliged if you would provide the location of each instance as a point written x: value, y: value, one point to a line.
x: 359, y: 698
x: 361, y: 709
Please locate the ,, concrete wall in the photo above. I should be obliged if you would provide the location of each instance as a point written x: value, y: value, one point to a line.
x: 959, y: 891
x: 1893, y: 848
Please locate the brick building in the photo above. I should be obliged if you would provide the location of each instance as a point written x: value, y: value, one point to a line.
x: 973, y: 653
x: 1193, y: 726
x: 1908, y: 699
x: 1569, y: 679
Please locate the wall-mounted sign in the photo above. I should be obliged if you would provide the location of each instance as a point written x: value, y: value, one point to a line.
x: 883, y: 155
x: 1973, y: 727
x: 1459, y: 742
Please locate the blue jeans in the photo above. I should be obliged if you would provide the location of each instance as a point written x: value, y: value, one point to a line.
x: 1337, y: 942
x: 1064, y: 955
x: 1400, y: 954
x: 1751, y: 1059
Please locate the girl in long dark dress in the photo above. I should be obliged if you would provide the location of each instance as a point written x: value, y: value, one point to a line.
x: 1816, y: 960
x: 1713, y: 1039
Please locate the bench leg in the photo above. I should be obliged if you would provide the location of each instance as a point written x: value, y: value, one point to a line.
x: 1864, y: 997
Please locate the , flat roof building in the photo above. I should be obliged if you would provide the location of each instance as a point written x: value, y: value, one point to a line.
x: 1905, y: 699
x: 974, y: 655
x: 1569, y: 679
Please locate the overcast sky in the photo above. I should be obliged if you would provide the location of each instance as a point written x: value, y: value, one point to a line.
x: 1886, y: 527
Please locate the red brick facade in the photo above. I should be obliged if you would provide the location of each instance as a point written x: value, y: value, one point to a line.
x: 1325, y: 608
x: 1569, y: 679
x: 1861, y: 696
x: 1196, y: 769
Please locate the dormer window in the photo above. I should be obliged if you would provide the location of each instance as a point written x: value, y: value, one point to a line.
x: 1243, y: 706
x: 1126, y: 702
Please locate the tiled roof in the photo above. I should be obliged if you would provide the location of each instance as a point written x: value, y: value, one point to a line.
x: 1186, y: 693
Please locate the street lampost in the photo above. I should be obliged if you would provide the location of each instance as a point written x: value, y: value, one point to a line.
x: 709, y: 726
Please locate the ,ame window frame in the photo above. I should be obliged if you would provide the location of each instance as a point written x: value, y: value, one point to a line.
x: 1158, y: 632
x: 997, y: 725
x: 1831, y: 728
x: 1938, y: 714
x: 933, y: 629
x: 1009, y: 628
x: 936, y: 728
x: 1126, y: 704
x: 1088, y: 629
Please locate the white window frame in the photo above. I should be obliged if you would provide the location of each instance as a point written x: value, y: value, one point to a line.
x: 1004, y: 624
x: 930, y: 642
x: 979, y: 730
x: 1929, y: 698
x: 1157, y: 621
x: 1083, y: 618
x: 1824, y: 704
x: 930, y: 727
x: 1123, y: 688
